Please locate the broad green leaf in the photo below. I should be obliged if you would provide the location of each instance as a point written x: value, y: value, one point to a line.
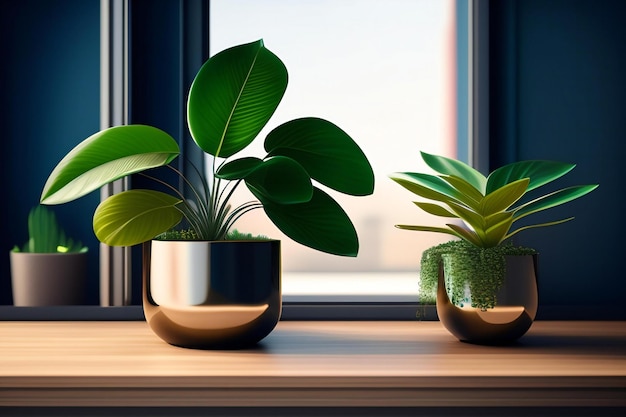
x: 534, y: 226
x: 427, y: 229
x: 466, y: 234
x: 238, y: 169
x: 498, y: 218
x: 427, y: 186
x: 320, y: 224
x: 496, y: 233
x: 135, y: 216
x: 475, y: 220
x: 448, y: 166
x: 434, y: 209
x: 233, y: 96
x: 281, y: 180
x: 105, y: 157
x: 552, y: 200
x: 329, y: 154
x: 471, y: 196
x: 502, y: 198
x: 539, y: 172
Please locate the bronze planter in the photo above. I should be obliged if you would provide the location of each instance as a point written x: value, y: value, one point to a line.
x: 222, y: 294
x: 511, y: 317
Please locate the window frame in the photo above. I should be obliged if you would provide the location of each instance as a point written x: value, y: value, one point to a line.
x: 116, y: 274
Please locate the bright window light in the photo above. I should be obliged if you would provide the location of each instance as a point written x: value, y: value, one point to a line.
x: 385, y: 72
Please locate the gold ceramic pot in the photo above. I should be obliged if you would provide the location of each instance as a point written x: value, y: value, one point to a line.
x: 508, y: 320
x: 221, y: 294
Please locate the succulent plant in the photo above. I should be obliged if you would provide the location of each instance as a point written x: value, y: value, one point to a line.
x: 45, y: 235
x: 489, y: 206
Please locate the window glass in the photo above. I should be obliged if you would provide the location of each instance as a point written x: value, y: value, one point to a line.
x: 385, y: 72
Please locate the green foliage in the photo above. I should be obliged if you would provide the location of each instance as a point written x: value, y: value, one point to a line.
x: 182, y: 234
x: 488, y: 206
x: 231, y: 99
x: 190, y: 234
x: 46, y: 235
x: 481, y: 270
x: 237, y: 235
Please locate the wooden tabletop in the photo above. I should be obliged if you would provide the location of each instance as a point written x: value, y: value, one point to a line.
x: 305, y: 364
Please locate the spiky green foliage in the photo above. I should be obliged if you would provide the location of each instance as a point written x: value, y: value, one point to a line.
x: 46, y: 235
x: 237, y: 235
x: 481, y: 270
x: 488, y: 206
x: 231, y: 99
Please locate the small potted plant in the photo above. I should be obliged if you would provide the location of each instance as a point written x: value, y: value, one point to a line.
x: 50, y: 269
x: 485, y: 287
x: 204, y: 285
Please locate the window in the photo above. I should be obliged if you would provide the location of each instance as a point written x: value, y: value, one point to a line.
x: 385, y: 72
x: 391, y: 73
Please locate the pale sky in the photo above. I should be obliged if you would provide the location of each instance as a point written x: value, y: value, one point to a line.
x: 381, y: 70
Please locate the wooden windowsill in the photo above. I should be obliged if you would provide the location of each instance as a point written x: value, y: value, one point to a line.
x: 304, y: 364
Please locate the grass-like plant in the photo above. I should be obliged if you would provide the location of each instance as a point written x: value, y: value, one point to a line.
x: 486, y: 209
x: 230, y: 101
x: 45, y: 235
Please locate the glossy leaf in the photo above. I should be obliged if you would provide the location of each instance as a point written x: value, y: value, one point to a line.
x: 553, y: 199
x: 427, y: 186
x: 427, y: 229
x: 502, y: 198
x: 233, y: 96
x: 105, y: 157
x: 496, y: 233
x: 475, y: 220
x: 238, y: 169
x: 280, y: 180
x: 534, y: 226
x: 434, y: 209
x: 135, y: 216
x: 473, y: 197
x: 539, y: 172
x: 329, y: 154
x: 448, y: 166
x: 498, y: 218
x: 319, y: 224
x: 466, y: 234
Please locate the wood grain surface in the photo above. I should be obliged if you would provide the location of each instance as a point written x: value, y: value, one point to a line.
x: 303, y: 364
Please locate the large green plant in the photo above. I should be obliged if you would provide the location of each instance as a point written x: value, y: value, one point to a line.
x: 488, y: 206
x: 231, y: 99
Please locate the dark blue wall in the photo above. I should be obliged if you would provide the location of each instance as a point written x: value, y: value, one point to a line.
x: 557, y: 88
x: 50, y: 95
x: 558, y: 85
x: 168, y: 44
x: 49, y: 101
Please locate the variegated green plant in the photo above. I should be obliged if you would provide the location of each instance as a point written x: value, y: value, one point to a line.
x: 488, y: 206
x: 230, y: 101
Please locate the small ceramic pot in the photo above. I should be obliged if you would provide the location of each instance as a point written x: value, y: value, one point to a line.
x: 48, y: 279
